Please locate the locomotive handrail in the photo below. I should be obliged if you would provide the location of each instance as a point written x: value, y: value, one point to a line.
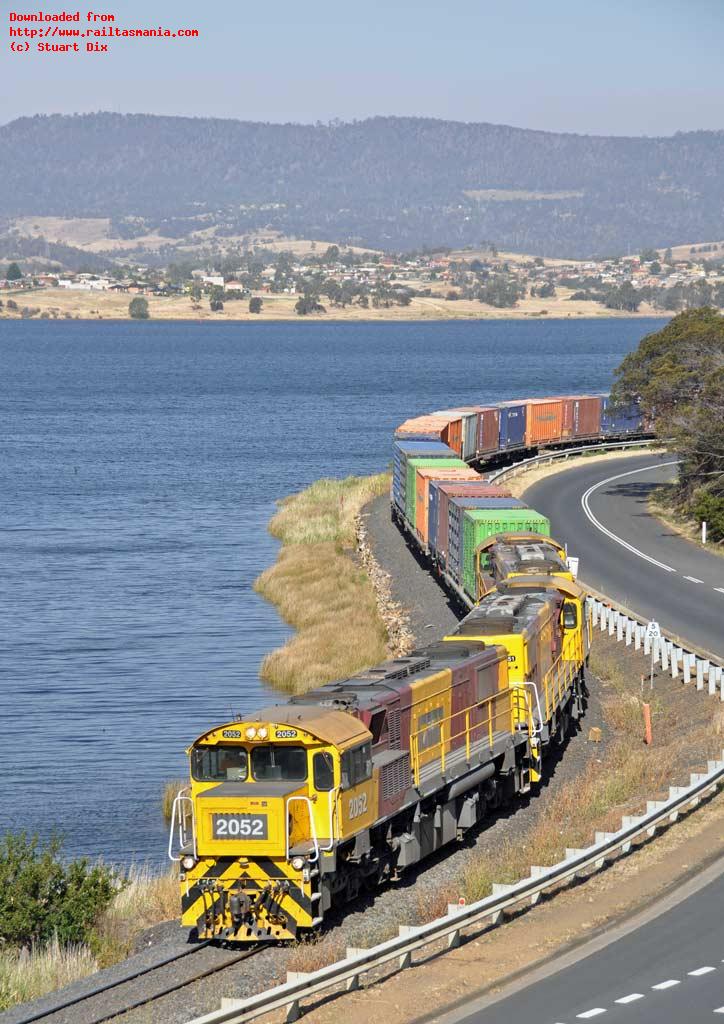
x: 181, y: 798
x: 312, y: 826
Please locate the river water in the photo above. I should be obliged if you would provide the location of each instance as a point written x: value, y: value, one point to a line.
x: 139, y: 467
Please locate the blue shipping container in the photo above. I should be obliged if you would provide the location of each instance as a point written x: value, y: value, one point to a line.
x: 456, y: 506
x: 512, y: 425
x: 625, y: 419
x: 402, y: 450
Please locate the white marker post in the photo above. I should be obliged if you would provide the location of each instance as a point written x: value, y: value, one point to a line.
x: 703, y: 533
x: 653, y: 632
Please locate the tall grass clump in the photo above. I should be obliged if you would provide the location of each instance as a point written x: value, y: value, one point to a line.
x: 170, y: 791
x: 29, y: 973
x: 319, y: 590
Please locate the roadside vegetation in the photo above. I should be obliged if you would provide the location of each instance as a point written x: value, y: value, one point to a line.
x: 320, y: 589
x: 62, y: 920
x: 623, y: 778
x: 677, y: 373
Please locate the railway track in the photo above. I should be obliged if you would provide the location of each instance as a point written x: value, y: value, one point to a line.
x: 104, y: 1012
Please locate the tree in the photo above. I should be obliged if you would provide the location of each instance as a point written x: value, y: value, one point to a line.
x: 677, y: 375
x: 308, y: 303
x: 216, y: 300
x: 648, y: 255
x: 668, y: 256
x: 13, y: 273
x: 623, y: 297
x: 138, y: 308
x: 655, y: 267
x: 255, y: 304
x: 216, y: 305
x: 42, y: 896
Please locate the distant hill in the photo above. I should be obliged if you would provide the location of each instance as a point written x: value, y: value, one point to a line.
x: 392, y: 183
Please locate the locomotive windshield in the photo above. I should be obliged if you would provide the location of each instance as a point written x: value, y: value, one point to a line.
x: 219, y: 764
x: 272, y: 764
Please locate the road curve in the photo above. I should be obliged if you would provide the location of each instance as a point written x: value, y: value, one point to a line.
x: 601, y: 512
x: 660, y: 968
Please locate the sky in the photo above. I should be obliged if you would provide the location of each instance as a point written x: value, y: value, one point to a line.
x: 642, y: 67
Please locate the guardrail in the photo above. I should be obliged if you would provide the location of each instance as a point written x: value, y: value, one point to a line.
x: 565, y: 453
x: 486, y: 912
x: 670, y: 652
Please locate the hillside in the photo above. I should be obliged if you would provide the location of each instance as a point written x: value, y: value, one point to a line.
x: 390, y: 183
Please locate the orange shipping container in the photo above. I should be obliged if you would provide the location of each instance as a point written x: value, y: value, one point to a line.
x: 544, y: 421
x: 423, y: 425
x: 423, y: 478
x: 452, y: 435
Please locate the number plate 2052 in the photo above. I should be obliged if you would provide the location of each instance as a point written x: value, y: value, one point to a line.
x: 240, y: 826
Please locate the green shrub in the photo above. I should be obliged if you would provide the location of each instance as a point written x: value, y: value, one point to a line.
x: 709, y: 508
x: 42, y: 897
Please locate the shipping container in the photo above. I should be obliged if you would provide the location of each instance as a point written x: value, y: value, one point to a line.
x: 616, y: 421
x: 411, y: 484
x: 512, y: 425
x: 488, y: 430
x: 402, y: 451
x: 422, y: 425
x: 423, y: 477
x: 544, y: 421
x: 566, y: 417
x: 586, y: 415
x: 437, y: 516
x: 452, y: 435
x: 478, y: 524
x: 455, y: 520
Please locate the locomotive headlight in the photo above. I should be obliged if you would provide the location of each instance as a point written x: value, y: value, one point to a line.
x: 262, y: 733
x: 188, y: 863
x: 297, y: 863
x: 251, y: 733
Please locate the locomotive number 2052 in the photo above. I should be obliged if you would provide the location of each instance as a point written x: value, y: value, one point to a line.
x: 240, y: 826
x: 358, y: 805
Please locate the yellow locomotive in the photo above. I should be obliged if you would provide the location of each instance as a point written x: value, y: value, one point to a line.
x: 509, y: 555
x: 350, y: 784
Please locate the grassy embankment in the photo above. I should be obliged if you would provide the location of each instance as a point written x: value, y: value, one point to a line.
x: 146, y: 899
x: 320, y: 588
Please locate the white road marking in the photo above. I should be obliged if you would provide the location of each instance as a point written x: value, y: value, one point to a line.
x: 630, y: 999
x: 700, y: 970
x: 693, y: 579
x: 614, y: 537
x: 665, y: 984
x: 721, y: 1008
x: 719, y: 590
x: 595, y: 1012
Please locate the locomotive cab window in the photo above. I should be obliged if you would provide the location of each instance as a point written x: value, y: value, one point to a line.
x: 323, y: 767
x: 279, y: 763
x: 570, y: 615
x: 219, y: 764
x: 356, y: 766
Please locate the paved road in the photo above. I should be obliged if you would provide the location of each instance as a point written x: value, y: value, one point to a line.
x: 601, y: 512
x: 668, y: 971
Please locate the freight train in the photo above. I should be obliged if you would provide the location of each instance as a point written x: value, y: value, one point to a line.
x: 449, y: 511
x: 297, y: 809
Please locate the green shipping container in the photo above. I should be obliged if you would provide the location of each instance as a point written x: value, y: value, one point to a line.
x: 411, y: 493
x: 481, y: 523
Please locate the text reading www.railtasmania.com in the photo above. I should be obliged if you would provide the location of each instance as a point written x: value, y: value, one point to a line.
x: 79, y: 31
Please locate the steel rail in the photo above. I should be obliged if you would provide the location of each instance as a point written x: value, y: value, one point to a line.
x: 133, y: 976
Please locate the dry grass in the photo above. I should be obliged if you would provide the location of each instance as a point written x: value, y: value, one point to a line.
x: 315, y: 952
x: 662, y: 504
x: 114, y: 305
x: 627, y: 774
x: 30, y: 974
x: 321, y: 591
x: 147, y: 899
x: 326, y: 510
x: 170, y: 792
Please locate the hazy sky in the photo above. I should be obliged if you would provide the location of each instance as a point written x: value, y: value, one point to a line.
x: 608, y: 67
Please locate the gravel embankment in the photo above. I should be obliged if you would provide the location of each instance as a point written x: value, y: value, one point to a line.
x: 377, y: 917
